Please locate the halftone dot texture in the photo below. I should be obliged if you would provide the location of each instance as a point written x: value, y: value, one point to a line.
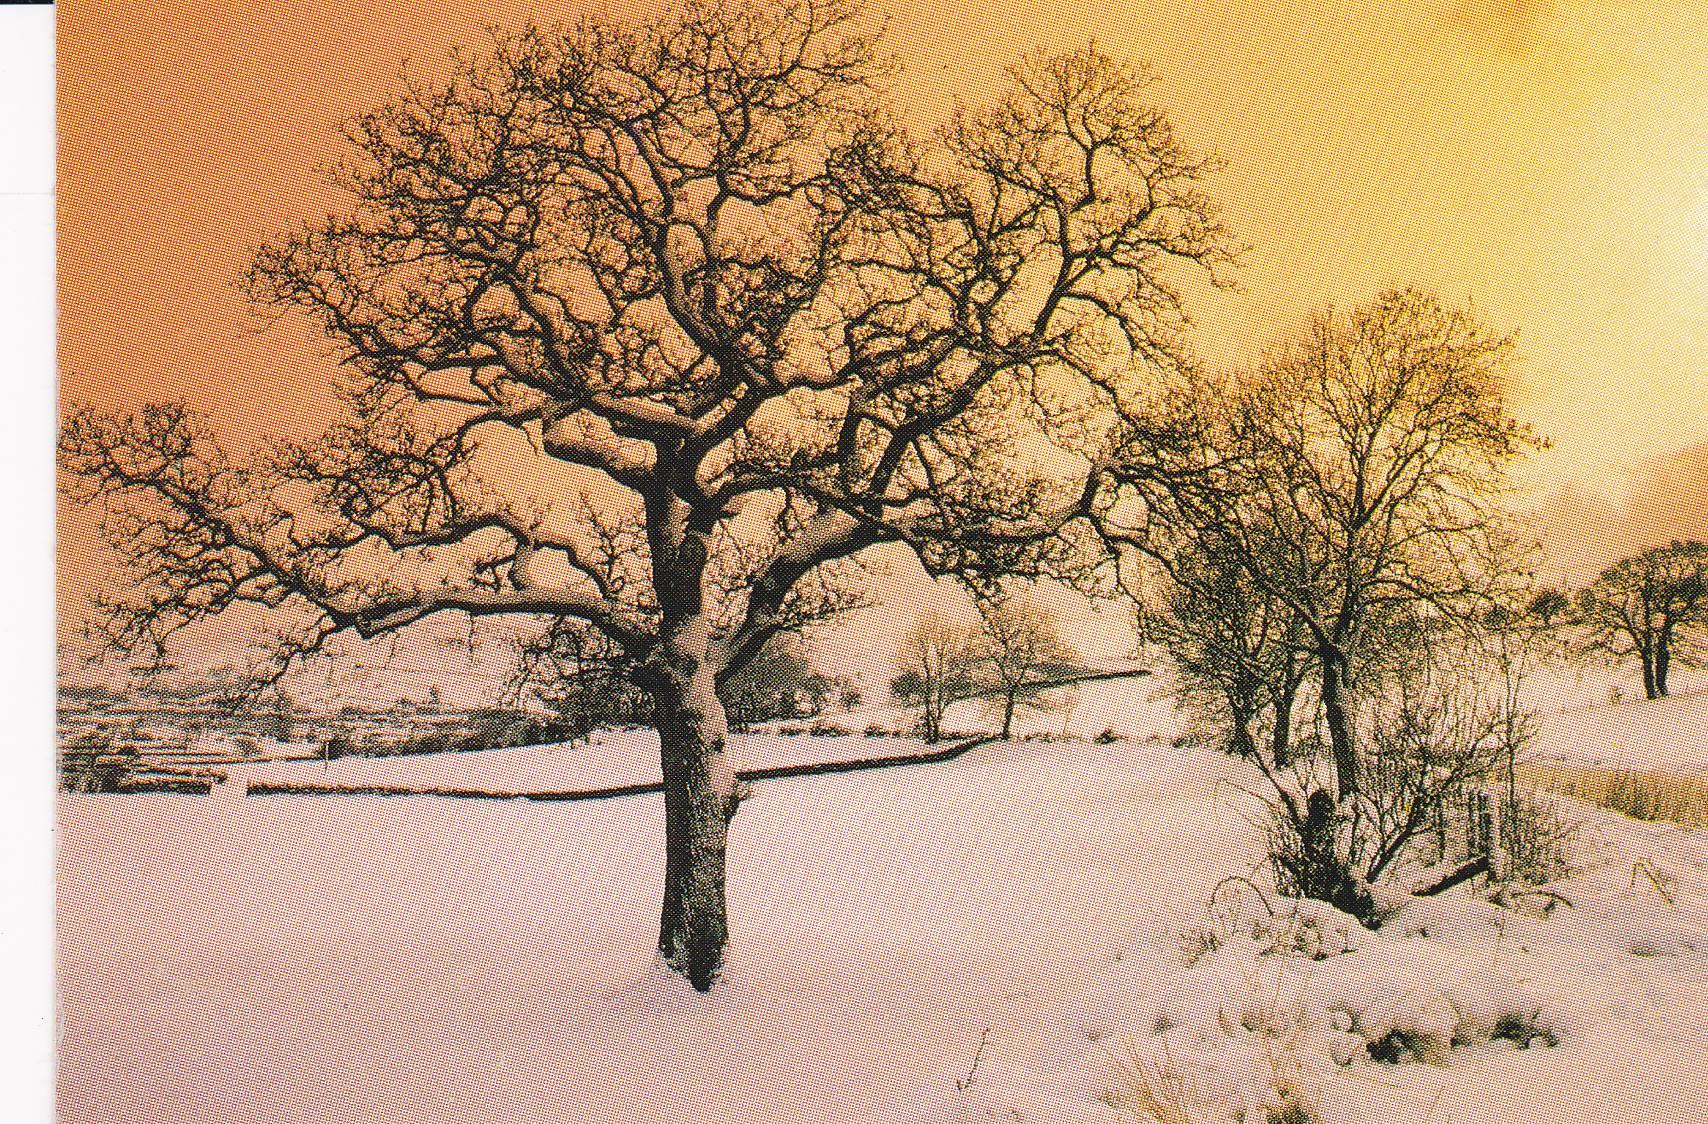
x: 423, y: 960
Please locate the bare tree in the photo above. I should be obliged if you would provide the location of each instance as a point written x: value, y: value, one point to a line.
x: 1351, y: 481
x: 694, y: 271
x: 1653, y: 606
x: 1239, y: 652
x: 938, y: 666
x: 1517, y: 634
x: 582, y: 676
x: 1022, y: 656
x: 779, y: 682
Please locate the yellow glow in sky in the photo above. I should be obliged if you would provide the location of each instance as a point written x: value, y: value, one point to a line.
x: 1544, y: 159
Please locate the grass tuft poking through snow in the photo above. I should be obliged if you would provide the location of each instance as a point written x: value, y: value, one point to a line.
x: 1264, y: 1067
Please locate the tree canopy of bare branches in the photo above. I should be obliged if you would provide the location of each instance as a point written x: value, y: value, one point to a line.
x: 652, y: 328
x: 1023, y: 654
x: 1331, y: 508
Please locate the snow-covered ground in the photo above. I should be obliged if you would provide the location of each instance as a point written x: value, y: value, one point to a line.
x: 1667, y: 735
x: 421, y: 960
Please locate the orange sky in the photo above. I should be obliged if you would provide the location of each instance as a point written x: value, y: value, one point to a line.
x: 1547, y: 159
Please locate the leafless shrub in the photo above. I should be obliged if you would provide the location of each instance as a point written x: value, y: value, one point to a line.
x: 1538, y: 839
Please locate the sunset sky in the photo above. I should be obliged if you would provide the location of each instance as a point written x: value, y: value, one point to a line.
x: 1545, y: 159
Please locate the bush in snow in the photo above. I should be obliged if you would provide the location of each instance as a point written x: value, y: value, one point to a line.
x: 1225, y: 1043
x: 1274, y: 995
x: 1430, y: 743
x: 1258, y: 1078
x: 1240, y: 912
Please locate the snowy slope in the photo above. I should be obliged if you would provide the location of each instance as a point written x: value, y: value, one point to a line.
x: 1662, y: 734
x: 418, y: 961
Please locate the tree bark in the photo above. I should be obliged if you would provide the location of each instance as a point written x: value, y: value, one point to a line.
x: 701, y: 790
x: 1008, y: 714
x: 1281, y: 736
x: 1663, y: 665
x: 1337, y: 713
x: 701, y: 795
x: 1320, y: 868
x: 1245, y: 745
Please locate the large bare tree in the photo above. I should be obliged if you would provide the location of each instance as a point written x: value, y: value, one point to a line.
x: 645, y: 327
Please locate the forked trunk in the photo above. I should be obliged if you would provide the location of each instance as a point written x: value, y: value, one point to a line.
x: 1319, y: 867
x: 931, y: 722
x: 1322, y: 867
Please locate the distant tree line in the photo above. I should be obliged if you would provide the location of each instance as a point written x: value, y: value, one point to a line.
x: 587, y: 683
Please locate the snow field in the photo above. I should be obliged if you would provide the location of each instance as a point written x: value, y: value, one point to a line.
x: 1670, y: 735
x: 421, y: 960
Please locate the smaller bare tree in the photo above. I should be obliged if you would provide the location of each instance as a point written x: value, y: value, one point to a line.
x: 1024, y: 656
x: 1652, y: 606
x: 939, y: 665
x: 1240, y: 656
x: 1335, y: 509
x: 582, y: 677
x: 1514, y: 637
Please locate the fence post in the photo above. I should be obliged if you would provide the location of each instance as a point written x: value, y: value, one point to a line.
x: 1480, y: 824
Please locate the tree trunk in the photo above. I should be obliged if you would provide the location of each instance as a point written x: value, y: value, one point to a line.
x: 1244, y: 744
x: 1008, y: 714
x: 932, y: 719
x: 701, y: 794
x: 1663, y: 664
x: 1648, y: 658
x: 1319, y: 867
x: 1281, y: 736
x: 701, y: 790
x: 1337, y: 708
